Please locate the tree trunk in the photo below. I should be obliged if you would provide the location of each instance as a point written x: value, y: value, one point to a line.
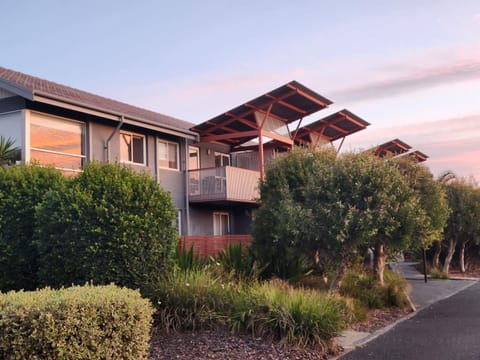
x: 462, y: 257
x: 436, y: 254
x: 448, y: 259
x: 338, y: 279
x: 379, y: 262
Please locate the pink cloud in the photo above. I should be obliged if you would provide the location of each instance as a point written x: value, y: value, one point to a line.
x: 451, y: 144
x: 467, y: 70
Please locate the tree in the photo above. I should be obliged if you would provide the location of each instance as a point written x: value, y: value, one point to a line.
x: 110, y: 224
x: 432, y: 215
x: 367, y: 202
x: 314, y: 202
x: 8, y: 152
x: 282, y: 237
x: 463, y: 225
x: 22, y: 188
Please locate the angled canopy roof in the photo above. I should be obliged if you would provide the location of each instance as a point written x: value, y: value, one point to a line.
x: 281, y: 106
x: 392, y: 147
x: 331, y: 128
x: 417, y: 155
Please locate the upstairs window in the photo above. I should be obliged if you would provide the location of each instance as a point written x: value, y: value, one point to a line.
x: 132, y: 148
x: 57, y: 142
x: 222, y: 159
x: 168, y: 155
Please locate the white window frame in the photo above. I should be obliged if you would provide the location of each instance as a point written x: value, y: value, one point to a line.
x: 223, y: 155
x: 83, y: 156
x: 177, y: 145
x: 144, y: 141
x: 221, y: 213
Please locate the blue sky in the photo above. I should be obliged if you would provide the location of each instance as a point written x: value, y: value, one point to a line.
x: 410, y: 68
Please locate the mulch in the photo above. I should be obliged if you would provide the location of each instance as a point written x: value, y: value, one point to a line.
x: 208, y: 344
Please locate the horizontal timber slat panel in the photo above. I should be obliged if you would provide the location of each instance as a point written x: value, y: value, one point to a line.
x: 206, y: 245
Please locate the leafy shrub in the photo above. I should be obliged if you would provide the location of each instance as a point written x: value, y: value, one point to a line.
x: 186, y: 260
x: 299, y: 316
x: 110, y: 224
x: 199, y: 299
x: 22, y: 188
x: 86, y: 322
x: 437, y: 274
x: 194, y: 299
x: 362, y: 286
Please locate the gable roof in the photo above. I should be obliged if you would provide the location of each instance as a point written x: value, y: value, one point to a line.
x: 37, y: 89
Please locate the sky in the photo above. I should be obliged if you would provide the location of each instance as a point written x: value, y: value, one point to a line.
x: 409, y: 68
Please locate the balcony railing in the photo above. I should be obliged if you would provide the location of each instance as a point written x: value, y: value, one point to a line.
x: 225, y: 183
x: 206, y: 245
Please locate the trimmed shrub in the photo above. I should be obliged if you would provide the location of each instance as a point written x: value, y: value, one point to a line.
x: 88, y: 322
x: 110, y: 225
x: 21, y: 189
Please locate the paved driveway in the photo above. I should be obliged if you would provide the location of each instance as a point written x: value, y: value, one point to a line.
x: 448, y: 329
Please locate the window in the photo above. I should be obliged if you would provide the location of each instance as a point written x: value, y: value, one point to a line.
x: 57, y: 142
x: 222, y: 159
x: 221, y: 223
x: 193, y: 158
x: 132, y: 148
x: 167, y: 155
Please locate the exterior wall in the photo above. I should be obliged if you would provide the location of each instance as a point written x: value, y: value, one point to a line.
x: 207, y: 153
x: 12, y: 124
x: 201, y: 221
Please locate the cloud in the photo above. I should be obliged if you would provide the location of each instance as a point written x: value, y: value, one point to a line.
x: 451, y: 144
x: 413, y: 81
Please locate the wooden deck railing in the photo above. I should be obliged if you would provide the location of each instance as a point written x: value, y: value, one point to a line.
x: 206, y: 245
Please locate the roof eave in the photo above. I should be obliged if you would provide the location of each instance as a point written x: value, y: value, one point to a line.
x: 106, y: 113
x: 16, y: 89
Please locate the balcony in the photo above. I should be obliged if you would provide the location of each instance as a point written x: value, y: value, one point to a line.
x: 223, y: 184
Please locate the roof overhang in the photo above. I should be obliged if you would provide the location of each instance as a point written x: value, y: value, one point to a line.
x: 418, y: 156
x: 331, y: 128
x: 281, y: 106
x: 393, y: 147
x: 111, y: 115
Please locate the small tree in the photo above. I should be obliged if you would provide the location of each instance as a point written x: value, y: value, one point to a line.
x: 366, y: 202
x: 109, y: 225
x: 463, y: 224
x: 8, y: 152
x: 282, y: 237
x: 432, y: 212
x: 22, y: 188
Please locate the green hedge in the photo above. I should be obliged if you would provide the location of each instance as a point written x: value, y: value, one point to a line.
x: 81, y: 322
x: 22, y: 188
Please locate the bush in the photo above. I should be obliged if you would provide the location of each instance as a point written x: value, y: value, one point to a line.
x: 363, y: 286
x: 109, y: 225
x: 198, y: 299
x: 21, y: 189
x: 75, y: 323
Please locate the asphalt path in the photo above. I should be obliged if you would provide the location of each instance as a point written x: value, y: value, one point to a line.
x: 448, y: 329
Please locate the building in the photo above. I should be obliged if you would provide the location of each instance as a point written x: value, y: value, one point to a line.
x: 211, y: 169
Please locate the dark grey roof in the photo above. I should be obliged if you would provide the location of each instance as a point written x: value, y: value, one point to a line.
x: 28, y: 86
